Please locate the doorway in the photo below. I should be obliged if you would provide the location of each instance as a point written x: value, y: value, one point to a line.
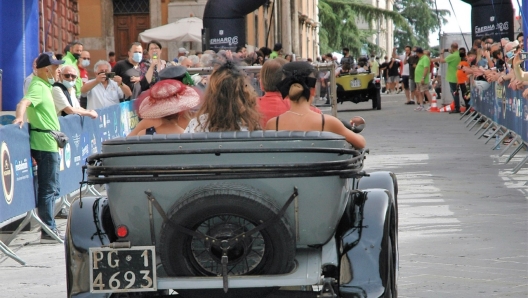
x: 131, y: 17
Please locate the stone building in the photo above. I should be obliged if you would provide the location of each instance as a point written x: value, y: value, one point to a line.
x: 384, y: 36
x: 112, y: 25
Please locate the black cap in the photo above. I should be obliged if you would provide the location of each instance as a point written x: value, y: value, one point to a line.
x: 173, y: 72
x: 47, y: 59
x: 419, y: 50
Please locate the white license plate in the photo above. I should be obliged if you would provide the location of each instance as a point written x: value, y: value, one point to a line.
x: 122, y: 270
x: 355, y: 83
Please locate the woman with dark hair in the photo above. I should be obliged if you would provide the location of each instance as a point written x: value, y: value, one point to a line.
x: 299, y: 85
x: 149, y: 68
x: 229, y: 103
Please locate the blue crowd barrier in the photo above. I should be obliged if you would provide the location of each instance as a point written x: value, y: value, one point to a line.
x: 504, y: 106
x: 85, y: 135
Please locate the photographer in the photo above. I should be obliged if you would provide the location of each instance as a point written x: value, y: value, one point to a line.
x: 106, y: 89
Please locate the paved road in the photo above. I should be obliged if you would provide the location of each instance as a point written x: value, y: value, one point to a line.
x: 463, y: 216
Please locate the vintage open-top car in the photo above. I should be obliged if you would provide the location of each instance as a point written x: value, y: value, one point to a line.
x: 234, y: 214
x: 358, y: 88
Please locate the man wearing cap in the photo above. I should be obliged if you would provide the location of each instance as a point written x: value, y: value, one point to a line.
x: 73, y: 53
x: 38, y: 102
x: 421, y: 77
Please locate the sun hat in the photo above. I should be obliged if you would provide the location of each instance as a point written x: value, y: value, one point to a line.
x: 167, y: 97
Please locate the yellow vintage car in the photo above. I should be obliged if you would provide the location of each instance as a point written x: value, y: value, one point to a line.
x: 359, y: 88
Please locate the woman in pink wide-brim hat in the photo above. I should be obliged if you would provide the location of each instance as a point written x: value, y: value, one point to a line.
x: 162, y: 105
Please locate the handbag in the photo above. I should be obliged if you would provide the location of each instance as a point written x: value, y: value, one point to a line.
x: 59, y: 136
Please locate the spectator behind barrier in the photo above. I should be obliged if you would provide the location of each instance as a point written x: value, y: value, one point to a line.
x: 104, y: 91
x: 150, y: 68
x: 63, y: 93
x: 299, y: 85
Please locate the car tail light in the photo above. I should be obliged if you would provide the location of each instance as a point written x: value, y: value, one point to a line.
x: 122, y: 231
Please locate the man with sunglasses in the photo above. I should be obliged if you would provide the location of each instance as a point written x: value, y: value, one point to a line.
x: 64, y: 95
x: 106, y: 89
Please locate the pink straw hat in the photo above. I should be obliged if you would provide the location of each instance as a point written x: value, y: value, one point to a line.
x: 168, y: 97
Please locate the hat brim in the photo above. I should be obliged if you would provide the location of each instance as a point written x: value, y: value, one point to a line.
x: 158, y: 108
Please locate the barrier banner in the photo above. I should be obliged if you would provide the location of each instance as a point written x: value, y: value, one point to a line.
x: 504, y: 106
x: 18, y: 194
x: 70, y: 166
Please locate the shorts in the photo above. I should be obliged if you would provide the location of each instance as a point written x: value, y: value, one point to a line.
x: 394, y: 79
x: 405, y: 81
x: 422, y: 87
x: 412, y: 85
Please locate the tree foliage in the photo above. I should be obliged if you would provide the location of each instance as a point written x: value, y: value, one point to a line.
x: 424, y: 19
x: 339, y: 29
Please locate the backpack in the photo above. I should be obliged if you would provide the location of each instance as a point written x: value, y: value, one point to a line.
x: 66, y: 93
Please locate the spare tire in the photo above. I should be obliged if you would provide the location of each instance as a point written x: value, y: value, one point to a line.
x: 224, y: 210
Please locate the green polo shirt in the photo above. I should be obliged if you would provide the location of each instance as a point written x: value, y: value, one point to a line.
x: 41, y: 114
x: 419, y: 72
x: 452, y: 62
x: 70, y: 60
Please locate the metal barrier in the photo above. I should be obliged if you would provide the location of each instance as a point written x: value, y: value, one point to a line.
x: 503, y: 113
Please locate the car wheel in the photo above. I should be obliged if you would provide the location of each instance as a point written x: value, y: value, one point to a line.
x: 223, y: 211
x: 389, y: 260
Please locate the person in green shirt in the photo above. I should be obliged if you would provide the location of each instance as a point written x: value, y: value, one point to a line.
x: 421, y: 77
x: 452, y: 60
x: 40, y: 108
x: 72, y: 58
x: 277, y: 51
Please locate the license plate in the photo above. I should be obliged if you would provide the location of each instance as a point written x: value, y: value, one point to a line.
x: 122, y: 270
x: 355, y: 83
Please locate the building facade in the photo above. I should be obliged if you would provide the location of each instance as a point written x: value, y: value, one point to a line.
x: 384, y: 28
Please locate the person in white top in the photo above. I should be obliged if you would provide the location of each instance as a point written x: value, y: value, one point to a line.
x: 28, y: 79
x: 106, y: 89
x: 405, y: 72
x: 62, y: 104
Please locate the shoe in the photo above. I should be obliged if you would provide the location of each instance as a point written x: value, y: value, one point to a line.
x: 410, y: 102
x: 454, y: 112
x: 398, y: 92
x: 419, y: 108
x: 47, y: 239
x: 63, y: 213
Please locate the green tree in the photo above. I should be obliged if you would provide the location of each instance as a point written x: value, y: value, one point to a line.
x: 424, y: 19
x: 338, y: 24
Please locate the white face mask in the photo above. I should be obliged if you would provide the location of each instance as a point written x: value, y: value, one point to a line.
x: 85, y: 63
x: 68, y: 84
x: 52, y: 79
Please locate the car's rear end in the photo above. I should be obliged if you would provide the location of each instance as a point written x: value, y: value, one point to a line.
x: 224, y: 211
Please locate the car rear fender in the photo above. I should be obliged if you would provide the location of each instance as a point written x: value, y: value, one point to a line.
x: 84, y: 230
x: 360, y: 246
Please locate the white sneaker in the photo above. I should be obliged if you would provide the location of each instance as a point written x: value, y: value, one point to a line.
x: 419, y: 108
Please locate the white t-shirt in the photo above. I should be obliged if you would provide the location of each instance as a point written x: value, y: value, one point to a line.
x: 60, y: 100
x: 100, y: 97
x: 405, y: 71
x: 194, y: 126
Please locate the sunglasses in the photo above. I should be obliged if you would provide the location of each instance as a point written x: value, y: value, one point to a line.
x: 67, y: 76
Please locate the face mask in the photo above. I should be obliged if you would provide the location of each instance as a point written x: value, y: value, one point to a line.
x: 85, y: 63
x: 510, y: 54
x: 137, y: 57
x: 68, y: 84
x: 413, y: 53
x: 76, y: 56
x: 52, y: 80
